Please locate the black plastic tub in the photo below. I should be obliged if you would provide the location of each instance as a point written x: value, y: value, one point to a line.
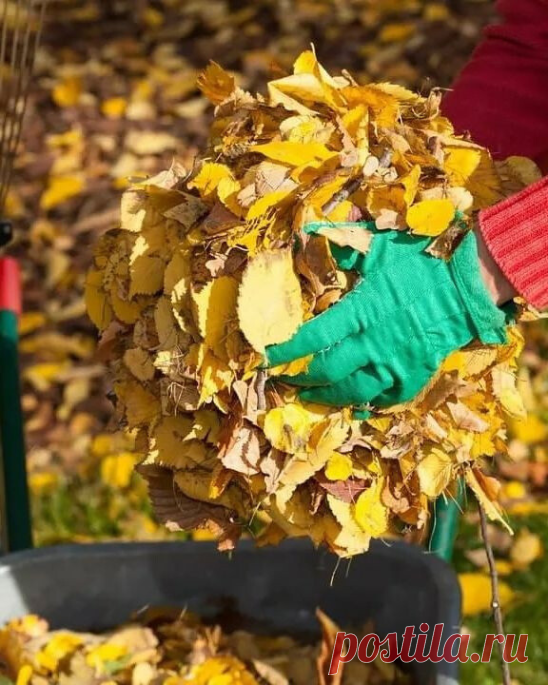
x: 95, y: 587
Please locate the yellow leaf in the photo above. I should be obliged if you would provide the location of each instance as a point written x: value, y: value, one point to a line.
x: 351, y: 538
x: 139, y: 362
x: 341, y: 213
x: 114, y: 108
x: 411, y: 184
x: 397, y: 32
x: 484, y: 183
x: 291, y: 92
x: 436, y: 11
x: 302, y: 467
x: 260, y: 207
x: 382, y: 105
x: 147, y: 275
x: 42, y: 482
x: 98, y: 657
x: 209, y: 177
x: 150, y: 142
x: 288, y: 428
x: 470, y: 362
x: 296, y: 154
x: 176, y: 443
x: 307, y: 63
x: 222, y: 670
x: 482, y: 446
x: 292, y: 368
x: 106, y: 443
x: 504, y: 568
x: 66, y: 93
x: 25, y: 675
x: 460, y: 164
x: 477, y: 593
x: 383, y: 198
x: 369, y: 511
x: 327, y: 435
x: 270, y: 300
x: 43, y: 375
x: 60, y: 189
x: 142, y: 407
x: 339, y: 467
x: 530, y: 430
x: 196, y: 484
x: 430, y: 217
x: 177, y: 269
x: 506, y: 391
x: 31, y: 321
x: 214, y: 306
x: 300, y: 129
x: 486, y: 489
x: 527, y: 548
x: 215, y: 375
x: 203, y: 535
x: 216, y: 83
x: 117, y: 469
x: 133, y: 210
x: 153, y: 17
x: 380, y: 423
x: 513, y: 489
x: 126, y: 310
x: 166, y: 325
x: 59, y: 646
x: 435, y: 472
x: 349, y: 234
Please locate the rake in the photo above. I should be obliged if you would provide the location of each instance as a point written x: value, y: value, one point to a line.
x: 20, y: 28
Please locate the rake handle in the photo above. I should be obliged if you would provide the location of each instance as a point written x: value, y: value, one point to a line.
x: 15, y: 519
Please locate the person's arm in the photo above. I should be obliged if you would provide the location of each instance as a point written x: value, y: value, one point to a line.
x: 501, y: 95
x: 501, y: 99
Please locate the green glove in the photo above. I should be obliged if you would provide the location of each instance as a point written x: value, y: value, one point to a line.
x: 382, y: 342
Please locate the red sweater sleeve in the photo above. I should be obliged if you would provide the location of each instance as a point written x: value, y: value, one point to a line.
x: 501, y: 98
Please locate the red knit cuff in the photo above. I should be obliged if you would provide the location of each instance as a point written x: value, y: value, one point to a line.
x: 516, y: 233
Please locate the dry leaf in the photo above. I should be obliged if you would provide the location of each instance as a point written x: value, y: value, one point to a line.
x: 269, y: 301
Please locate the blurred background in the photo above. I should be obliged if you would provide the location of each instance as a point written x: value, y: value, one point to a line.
x: 114, y: 96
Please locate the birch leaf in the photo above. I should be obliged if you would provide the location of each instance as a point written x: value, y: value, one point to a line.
x: 270, y: 300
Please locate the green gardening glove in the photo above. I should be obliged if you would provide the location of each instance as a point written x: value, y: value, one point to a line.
x: 382, y: 342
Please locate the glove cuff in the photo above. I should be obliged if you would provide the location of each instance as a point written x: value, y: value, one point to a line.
x: 489, y: 321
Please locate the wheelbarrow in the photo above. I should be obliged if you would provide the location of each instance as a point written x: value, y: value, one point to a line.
x: 272, y: 590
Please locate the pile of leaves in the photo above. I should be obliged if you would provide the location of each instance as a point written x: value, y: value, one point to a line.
x: 210, y: 266
x: 170, y: 647
x: 114, y: 94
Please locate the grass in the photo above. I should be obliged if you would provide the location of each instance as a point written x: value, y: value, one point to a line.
x: 76, y: 510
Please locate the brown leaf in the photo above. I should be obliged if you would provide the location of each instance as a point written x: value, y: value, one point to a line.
x: 466, y: 419
x: 345, y: 490
x: 241, y: 449
x: 317, y: 265
x: 444, y: 245
x: 179, y: 512
x: 329, y: 635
